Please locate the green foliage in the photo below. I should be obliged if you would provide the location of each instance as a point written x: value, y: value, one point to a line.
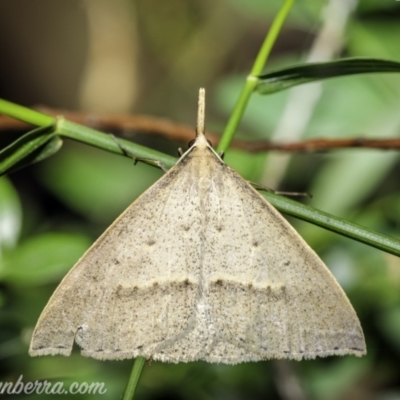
x: 10, y: 215
x: 42, y: 259
x: 78, y: 177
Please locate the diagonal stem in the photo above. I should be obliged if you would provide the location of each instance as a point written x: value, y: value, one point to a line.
x: 134, y: 378
x: 251, y: 81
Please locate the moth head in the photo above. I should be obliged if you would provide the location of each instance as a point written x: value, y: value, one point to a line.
x: 193, y: 141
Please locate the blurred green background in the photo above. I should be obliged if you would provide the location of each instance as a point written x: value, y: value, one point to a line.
x: 150, y: 57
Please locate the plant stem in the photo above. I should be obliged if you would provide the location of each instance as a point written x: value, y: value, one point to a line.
x: 105, y: 141
x: 25, y: 114
x: 134, y: 378
x: 252, y: 79
x: 335, y: 224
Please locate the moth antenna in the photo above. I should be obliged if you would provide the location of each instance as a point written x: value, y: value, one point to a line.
x: 201, y: 113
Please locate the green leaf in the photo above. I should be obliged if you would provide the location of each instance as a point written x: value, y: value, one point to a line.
x: 42, y: 259
x: 390, y: 323
x: 95, y: 183
x: 30, y: 148
x: 305, y: 73
x: 10, y: 214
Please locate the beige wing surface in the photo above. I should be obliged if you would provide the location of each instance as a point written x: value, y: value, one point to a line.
x: 134, y: 291
x: 269, y: 295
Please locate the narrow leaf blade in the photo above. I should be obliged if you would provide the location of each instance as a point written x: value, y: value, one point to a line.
x: 32, y: 147
x: 305, y: 73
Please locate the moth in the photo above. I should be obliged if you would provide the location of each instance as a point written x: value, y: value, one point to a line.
x: 199, y: 267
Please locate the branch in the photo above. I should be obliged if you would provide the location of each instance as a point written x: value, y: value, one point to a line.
x: 126, y: 124
x: 316, y: 145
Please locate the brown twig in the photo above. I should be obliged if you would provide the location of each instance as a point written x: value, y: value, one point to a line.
x: 127, y: 124
x: 314, y: 145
